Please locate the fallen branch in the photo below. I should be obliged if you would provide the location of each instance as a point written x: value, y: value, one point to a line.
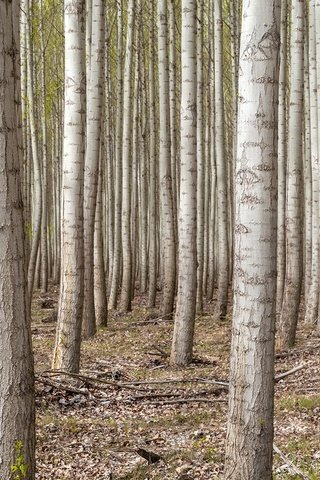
x: 61, y: 386
x: 190, y: 400
x: 291, y: 467
x: 150, y: 396
x: 92, y: 380
x: 279, y: 377
x: 179, y: 380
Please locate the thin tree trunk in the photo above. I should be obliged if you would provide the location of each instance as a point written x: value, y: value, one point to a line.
x: 126, y: 287
x: 182, y: 343
x: 200, y: 155
x: 221, y: 168
x: 168, y: 241
x: 152, y: 167
x: 116, y: 270
x: 293, y: 281
x: 91, y: 174
x: 37, y: 192
x: 282, y: 157
x: 68, y: 337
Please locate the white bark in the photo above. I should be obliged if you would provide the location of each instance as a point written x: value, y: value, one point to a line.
x: 200, y: 154
x: 294, y: 257
x: 282, y: 157
x: 91, y: 173
x: 152, y: 167
x: 250, y: 418
x: 126, y: 287
x: 221, y: 168
x: 116, y: 270
x: 68, y: 336
x: 168, y: 246
x: 182, y: 343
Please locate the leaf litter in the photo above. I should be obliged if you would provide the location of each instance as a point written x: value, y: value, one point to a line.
x: 127, y: 400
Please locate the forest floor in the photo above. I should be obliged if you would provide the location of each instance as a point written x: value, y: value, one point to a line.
x: 128, y: 398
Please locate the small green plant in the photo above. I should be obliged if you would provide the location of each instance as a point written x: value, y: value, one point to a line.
x: 20, y: 468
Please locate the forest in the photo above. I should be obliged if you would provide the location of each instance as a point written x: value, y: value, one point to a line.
x: 159, y: 239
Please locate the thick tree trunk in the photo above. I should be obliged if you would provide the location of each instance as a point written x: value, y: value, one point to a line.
x: 250, y: 419
x: 16, y: 362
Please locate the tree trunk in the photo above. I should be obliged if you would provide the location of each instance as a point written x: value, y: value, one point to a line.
x: 250, y: 418
x: 200, y: 154
x: 68, y: 337
x: 152, y: 291
x: 91, y: 172
x: 282, y: 157
x: 168, y: 241
x: 116, y: 270
x: 182, y: 343
x: 294, y: 257
x: 126, y: 288
x: 16, y: 362
x: 221, y: 168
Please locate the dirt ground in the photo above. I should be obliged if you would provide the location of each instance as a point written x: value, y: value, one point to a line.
x: 127, y: 398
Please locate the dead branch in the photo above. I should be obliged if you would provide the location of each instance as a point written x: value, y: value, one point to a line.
x: 190, y: 400
x: 61, y: 386
x: 219, y: 383
x: 279, y: 377
x: 289, y: 464
x: 150, y: 396
x: 91, y: 380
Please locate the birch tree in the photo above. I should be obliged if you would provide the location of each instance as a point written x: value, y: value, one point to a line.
x: 68, y: 336
x: 182, y: 343
x: 16, y: 363
x: 250, y: 418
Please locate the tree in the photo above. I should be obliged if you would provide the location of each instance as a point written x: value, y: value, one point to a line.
x: 91, y: 175
x: 68, y: 336
x: 152, y: 166
x: 294, y: 272
x: 16, y: 362
x: 221, y: 168
x: 250, y: 419
x: 116, y: 270
x: 168, y: 240
x: 126, y: 288
x: 182, y: 343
